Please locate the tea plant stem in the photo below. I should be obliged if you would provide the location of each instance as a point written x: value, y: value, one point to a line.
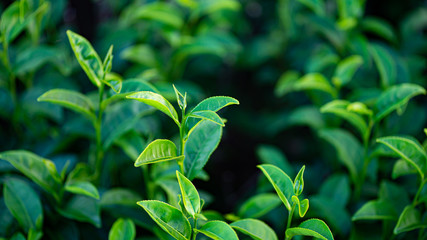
x: 99, y: 152
x: 291, y: 213
x: 423, y: 182
x: 6, y: 62
x: 182, y: 142
x: 195, y: 227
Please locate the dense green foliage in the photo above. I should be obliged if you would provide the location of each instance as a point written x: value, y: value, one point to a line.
x: 120, y: 128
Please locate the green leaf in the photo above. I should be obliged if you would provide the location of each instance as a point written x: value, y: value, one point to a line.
x: 33, y: 58
x: 215, y: 103
x: 218, y: 230
x: 310, y: 81
x: 299, y: 182
x: 340, y: 109
x: 334, y: 213
x: 346, y: 69
x: 181, y: 99
x: 401, y: 168
x: 285, y: 83
x: 202, y: 140
x: 42, y: 171
x: 114, y: 81
x: 83, y: 188
x: 359, y: 108
x: 385, y: 64
x: 208, y: 115
x: 409, y: 220
x: 302, y: 206
x: 337, y: 189
x: 70, y: 99
x: 122, y: 229
x: 158, y: 151
x: 349, y: 150
x: 259, y: 205
x: 87, y: 58
x: 161, y: 12
x: 408, y: 149
x: 157, y: 101
x: 168, y: 218
x: 108, y: 61
x: 312, y: 227
x: 379, y: 27
x: 396, y: 97
x: 281, y: 182
x: 190, y: 196
x: 119, y: 196
x: 82, y: 208
x: 254, y: 228
x: 24, y: 204
x: 142, y: 54
x: 12, y: 23
x: 210, y: 7
x: 272, y: 155
x: 376, y: 210
x: 316, y: 6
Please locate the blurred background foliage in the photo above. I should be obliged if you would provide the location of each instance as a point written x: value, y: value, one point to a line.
x: 255, y: 51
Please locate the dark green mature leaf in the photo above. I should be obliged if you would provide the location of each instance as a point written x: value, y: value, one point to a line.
x: 272, y: 155
x: 162, y: 12
x: 83, y: 188
x: 336, y: 215
x: 254, y: 228
x: 310, y: 81
x: 32, y: 58
x: 259, y: 205
x: 158, y: 151
x: 24, y: 204
x: 401, y: 168
x: 87, y: 57
x: 281, y: 182
x: 316, y: 6
x: 190, y: 196
x: 42, y: 171
x: 70, y: 99
x: 12, y: 24
x: 168, y: 218
x: 157, y: 101
x: 346, y: 69
x: 17, y: 236
x: 385, y: 64
x: 218, y: 230
x: 396, y: 97
x: 337, y: 189
x: 409, y: 220
x: 312, y: 227
x: 376, y: 210
x: 410, y: 150
x: 349, y: 150
x: 202, y: 140
x: 119, y: 196
x: 122, y: 229
x: 82, y: 208
x: 340, y: 108
x: 379, y: 27
x: 394, y: 194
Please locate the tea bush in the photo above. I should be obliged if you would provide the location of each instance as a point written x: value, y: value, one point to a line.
x: 114, y: 121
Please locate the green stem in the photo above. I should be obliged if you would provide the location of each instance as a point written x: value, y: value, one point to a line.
x: 195, y: 227
x: 182, y: 141
x: 415, y: 202
x: 366, y: 136
x: 291, y: 213
x: 98, y: 124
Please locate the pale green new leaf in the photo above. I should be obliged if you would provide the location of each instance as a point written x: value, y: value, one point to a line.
x: 83, y: 188
x: 108, y: 61
x: 409, y: 149
x: 24, y: 204
x: 157, y: 101
x: 346, y: 70
x: 286, y: 82
x: 396, y: 97
x: 208, y: 115
x: 376, y: 210
x: 218, y: 230
x: 409, y: 220
x: 70, y: 99
x: 87, y: 57
x: 312, y: 227
x: 142, y: 54
x: 161, y: 12
x: 214, y: 103
x: 299, y: 182
x: 158, y: 151
x: 302, y: 206
x: 403, y: 167
x: 310, y: 81
x: 122, y: 229
x: 190, y: 196
x: 281, y: 182
x: 168, y: 218
x: 42, y: 171
x: 255, y: 229
x: 114, y: 81
x: 259, y: 205
x: 202, y: 140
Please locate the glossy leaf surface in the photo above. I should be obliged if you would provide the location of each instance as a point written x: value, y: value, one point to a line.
x: 158, y: 151
x: 312, y: 227
x: 346, y: 69
x: 299, y: 182
x: 409, y: 219
x: 190, y: 196
x: 83, y: 188
x: 208, y: 115
x: 218, y: 230
x: 281, y: 182
x: 376, y: 210
x: 214, y: 103
x: 259, y: 205
x: 122, y: 229
x: 84, y: 209
x: 255, y: 229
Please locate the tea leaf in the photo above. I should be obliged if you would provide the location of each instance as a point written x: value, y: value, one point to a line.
x: 299, y: 182
x: 158, y: 151
x: 401, y: 168
x: 409, y: 219
x: 336, y: 215
x: 114, y: 81
x: 190, y: 196
x: 281, y: 182
x: 122, y: 229
x: 337, y: 189
x: 142, y: 54
x: 395, y: 97
x: 24, y: 204
x: 181, y: 99
x: 385, y: 64
x: 203, y: 139
x: 119, y: 196
x: 285, y: 83
x: 162, y: 12
x: 379, y: 27
x: 346, y: 69
x: 376, y: 210
x: 33, y: 58
x: 409, y: 149
x: 70, y: 99
x: 208, y: 115
x: 41, y: 171
x: 168, y: 218
x: 83, y: 188
x: 310, y: 81
x: 87, y: 58
x: 259, y: 205
x: 157, y: 101
x: 214, y: 103
x: 218, y: 230
x: 302, y: 206
x: 82, y: 208
x: 312, y: 227
x: 272, y: 155
x: 108, y: 61
x: 254, y: 228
